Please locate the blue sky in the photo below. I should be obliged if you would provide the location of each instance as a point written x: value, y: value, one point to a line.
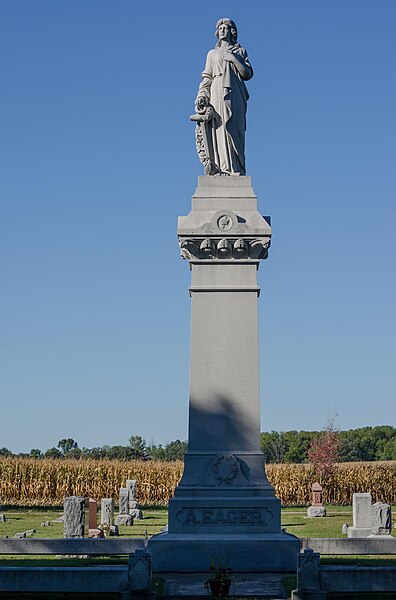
x: 98, y: 160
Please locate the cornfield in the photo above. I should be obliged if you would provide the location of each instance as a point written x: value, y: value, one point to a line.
x: 45, y: 482
x: 293, y: 483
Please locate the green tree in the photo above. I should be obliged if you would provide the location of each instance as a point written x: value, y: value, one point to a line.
x: 297, y: 444
x: 5, y: 452
x: 273, y: 445
x: 122, y: 452
x: 157, y: 452
x: 139, y: 446
x: 92, y: 452
x: 35, y: 453
x: 53, y: 453
x: 176, y: 450
x: 67, y: 445
x: 74, y: 453
x: 366, y: 443
x: 389, y: 450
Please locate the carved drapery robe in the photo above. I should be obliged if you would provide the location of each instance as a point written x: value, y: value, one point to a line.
x: 226, y: 91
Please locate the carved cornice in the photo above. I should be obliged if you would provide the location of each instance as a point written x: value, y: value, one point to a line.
x: 227, y: 236
x: 224, y: 248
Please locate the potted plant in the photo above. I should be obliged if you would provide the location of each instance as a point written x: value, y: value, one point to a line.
x: 219, y: 581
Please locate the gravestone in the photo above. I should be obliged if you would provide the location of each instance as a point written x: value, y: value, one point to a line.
x: 139, y: 570
x: 316, y: 509
x: 224, y: 506
x: 107, y: 511
x: 93, y: 531
x: 74, y: 516
x: 92, y: 514
x: 381, y: 519
x: 124, y: 518
x: 317, y: 494
x: 308, y: 577
x: 133, y: 507
x: 124, y: 501
x: 361, y: 507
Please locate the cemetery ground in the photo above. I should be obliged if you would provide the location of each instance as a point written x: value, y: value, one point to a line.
x: 294, y: 519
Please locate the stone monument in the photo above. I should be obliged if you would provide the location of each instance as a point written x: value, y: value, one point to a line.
x: 107, y: 511
x: 361, y: 507
x: 224, y: 508
x: 124, y: 518
x: 381, y: 519
x: 316, y: 509
x: 74, y: 516
x: 133, y: 507
x: 92, y: 513
x: 308, y: 577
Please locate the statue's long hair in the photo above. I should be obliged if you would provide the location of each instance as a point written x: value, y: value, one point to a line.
x: 233, y: 29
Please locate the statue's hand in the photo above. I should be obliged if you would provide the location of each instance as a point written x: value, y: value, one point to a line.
x: 229, y: 57
x: 202, y: 102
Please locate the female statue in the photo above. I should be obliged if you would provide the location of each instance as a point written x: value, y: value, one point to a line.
x: 221, y: 104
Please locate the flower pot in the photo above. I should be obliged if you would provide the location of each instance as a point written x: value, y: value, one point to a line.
x: 220, y: 587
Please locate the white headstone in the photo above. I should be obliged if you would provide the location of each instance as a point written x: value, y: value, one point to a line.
x: 361, y: 506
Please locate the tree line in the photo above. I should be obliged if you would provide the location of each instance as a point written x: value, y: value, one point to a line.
x: 363, y: 444
x: 137, y: 448
x: 354, y: 445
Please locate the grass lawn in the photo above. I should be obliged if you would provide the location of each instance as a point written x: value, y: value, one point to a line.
x: 294, y: 520
x: 22, y: 519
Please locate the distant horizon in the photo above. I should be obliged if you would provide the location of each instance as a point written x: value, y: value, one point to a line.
x: 157, y: 444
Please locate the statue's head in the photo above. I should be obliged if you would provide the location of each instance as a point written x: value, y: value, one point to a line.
x: 232, y: 28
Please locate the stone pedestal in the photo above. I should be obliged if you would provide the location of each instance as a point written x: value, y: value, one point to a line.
x: 224, y: 507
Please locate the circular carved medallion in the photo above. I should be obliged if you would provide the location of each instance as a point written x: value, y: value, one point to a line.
x: 224, y: 222
x: 225, y: 468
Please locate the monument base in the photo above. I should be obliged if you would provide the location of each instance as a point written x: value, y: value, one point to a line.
x: 359, y: 532
x: 185, y: 553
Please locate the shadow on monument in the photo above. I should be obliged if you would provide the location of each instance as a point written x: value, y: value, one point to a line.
x: 223, y: 425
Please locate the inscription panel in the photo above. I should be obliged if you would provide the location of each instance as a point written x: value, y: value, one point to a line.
x: 194, y: 517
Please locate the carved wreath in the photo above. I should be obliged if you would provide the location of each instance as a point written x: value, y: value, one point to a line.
x: 225, y: 468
